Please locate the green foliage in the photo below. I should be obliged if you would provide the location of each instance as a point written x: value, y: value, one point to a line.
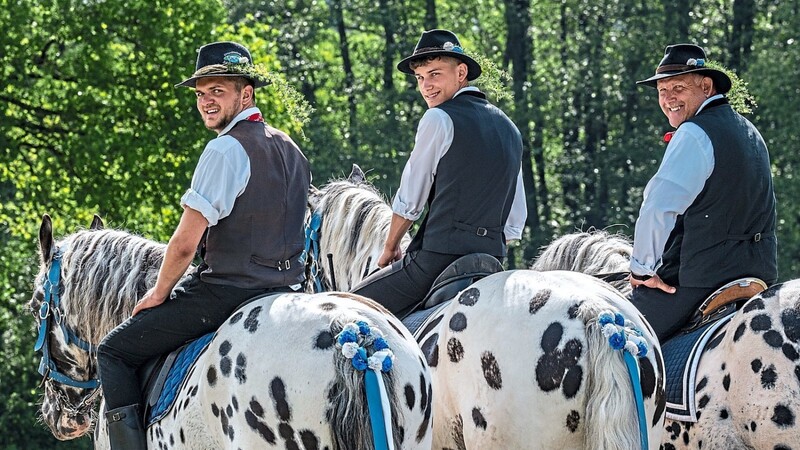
x: 91, y: 122
x: 740, y: 98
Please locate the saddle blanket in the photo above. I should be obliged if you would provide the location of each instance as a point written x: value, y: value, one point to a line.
x: 682, y: 355
x: 175, y: 378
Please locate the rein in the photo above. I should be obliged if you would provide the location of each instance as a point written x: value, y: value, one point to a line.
x: 50, y: 315
x: 612, y: 276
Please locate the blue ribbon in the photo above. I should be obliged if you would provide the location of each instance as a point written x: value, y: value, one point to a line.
x: 633, y: 372
x: 376, y: 411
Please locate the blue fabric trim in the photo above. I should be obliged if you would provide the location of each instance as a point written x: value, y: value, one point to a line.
x: 375, y: 411
x: 633, y: 372
x: 177, y: 373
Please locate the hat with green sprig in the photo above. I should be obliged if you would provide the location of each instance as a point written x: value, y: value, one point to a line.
x: 226, y: 59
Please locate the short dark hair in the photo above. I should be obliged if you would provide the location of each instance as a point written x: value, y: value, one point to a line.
x: 241, y: 82
x: 427, y: 60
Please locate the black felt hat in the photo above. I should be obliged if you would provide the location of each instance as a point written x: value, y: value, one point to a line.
x: 440, y: 43
x: 224, y: 59
x: 680, y: 59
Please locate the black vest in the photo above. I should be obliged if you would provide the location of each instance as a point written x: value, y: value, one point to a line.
x: 728, y: 232
x: 252, y: 247
x: 475, y: 181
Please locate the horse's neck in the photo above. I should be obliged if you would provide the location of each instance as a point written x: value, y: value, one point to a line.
x: 105, y: 274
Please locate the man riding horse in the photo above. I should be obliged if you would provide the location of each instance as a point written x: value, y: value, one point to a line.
x: 466, y: 164
x: 245, y: 210
x: 708, y: 215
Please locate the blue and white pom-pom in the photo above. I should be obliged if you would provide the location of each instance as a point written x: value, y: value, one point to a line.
x: 622, y: 333
x: 365, y: 346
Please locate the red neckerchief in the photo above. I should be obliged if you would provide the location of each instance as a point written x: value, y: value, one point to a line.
x: 668, y: 136
x: 257, y: 117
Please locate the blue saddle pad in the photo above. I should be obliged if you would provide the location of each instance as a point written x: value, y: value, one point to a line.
x: 180, y: 367
x: 682, y: 355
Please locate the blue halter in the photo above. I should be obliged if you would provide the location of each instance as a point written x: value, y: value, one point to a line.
x: 312, y: 250
x: 51, y: 311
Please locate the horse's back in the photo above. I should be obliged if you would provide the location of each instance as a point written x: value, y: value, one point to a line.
x: 269, y: 374
x: 526, y: 333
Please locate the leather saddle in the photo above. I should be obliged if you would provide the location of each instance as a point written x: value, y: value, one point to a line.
x: 725, y: 300
x: 458, y: 276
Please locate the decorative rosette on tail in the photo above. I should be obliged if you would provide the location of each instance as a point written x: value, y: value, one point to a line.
x: 357, y: 339
x: 622, y: 333
x: 366, y: 348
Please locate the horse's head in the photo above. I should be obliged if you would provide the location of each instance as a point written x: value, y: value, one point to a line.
x: 68, y: 362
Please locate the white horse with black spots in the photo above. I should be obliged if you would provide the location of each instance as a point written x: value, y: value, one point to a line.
x: 274, y: 374
x: 519, y: 359
x: 748, y: 385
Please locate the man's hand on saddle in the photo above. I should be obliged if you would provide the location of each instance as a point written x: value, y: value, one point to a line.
x: 653, y: 282
x: 150, y: 300
x: 389, y: 256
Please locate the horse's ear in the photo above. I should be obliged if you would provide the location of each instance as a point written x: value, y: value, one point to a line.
x: 46, y: 239
x: 357, y: 175
x: 97, y: 223
x: 314, y: 195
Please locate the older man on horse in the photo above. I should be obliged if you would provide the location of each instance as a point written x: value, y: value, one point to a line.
x: 708, y: 215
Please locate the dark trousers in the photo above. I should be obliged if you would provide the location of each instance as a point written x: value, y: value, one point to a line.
x: 400, y: 286
x: 668, y: 313
x: 193, y: 309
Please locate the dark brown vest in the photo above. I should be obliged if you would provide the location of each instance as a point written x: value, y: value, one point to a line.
x: 259, y: 244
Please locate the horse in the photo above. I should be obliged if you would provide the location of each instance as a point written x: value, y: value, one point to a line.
x: 518, y: 359
x: 748, y: 382
x: 277, y: 372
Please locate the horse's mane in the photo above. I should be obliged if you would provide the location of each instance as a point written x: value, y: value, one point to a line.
x: 355, y: 223
x: 591, y: 252
x: 104, y: 273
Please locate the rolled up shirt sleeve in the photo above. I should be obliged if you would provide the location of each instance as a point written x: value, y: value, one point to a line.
x: 433, y: 139
x: 519, y: 212
x: 688, y: 162
x: 221, y: 176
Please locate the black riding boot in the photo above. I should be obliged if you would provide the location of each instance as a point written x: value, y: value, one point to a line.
x: 125, y: 430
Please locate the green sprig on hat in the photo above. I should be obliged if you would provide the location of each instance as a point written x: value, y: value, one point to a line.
x: 296, y: 105
x: 739, y: 97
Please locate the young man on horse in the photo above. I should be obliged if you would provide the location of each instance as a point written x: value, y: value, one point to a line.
x: 466, y: 165
x: 244, y: 212
x: 708, y: 215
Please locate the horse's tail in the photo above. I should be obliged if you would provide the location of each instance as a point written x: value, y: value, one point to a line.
x: 611, y: 414
x: 349, y: 415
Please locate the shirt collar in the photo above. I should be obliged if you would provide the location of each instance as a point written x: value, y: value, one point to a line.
x: 708, y: 100
x: 465, y: 89
x: 239, y: 117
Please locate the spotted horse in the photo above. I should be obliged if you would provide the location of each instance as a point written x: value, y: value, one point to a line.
x: 274, y: 375
x: 518, y: 359
x: 747, y: 385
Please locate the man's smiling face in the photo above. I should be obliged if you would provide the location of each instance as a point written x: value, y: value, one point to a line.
x: 440, y: 79
x: 218, y: 100
x: 680, y: 97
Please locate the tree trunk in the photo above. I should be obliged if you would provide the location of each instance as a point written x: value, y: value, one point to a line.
x: 518, y: 52
x: 677, y: 20
x: 741, y: 43
x: 347, y: 67
x: 431, y: 21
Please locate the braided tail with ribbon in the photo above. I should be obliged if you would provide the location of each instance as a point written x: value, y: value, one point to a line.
x: 369, y: 352
x: 623, y: 335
